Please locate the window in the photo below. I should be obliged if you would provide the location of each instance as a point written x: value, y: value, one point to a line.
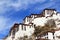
x: 30, y: 26
x: 22, y: 27
x: 48, y: 12
x: 34, y: 25
x: 25, y: 28
x: 17, y: 28
x: 13, y: 32
x: 27, y: 19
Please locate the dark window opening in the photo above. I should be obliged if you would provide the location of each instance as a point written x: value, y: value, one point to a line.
x: 25, y: 28
x: 22, y: 27
x: 13, y: 32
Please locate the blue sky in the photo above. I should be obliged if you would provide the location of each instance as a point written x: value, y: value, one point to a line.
x: 14, y: 11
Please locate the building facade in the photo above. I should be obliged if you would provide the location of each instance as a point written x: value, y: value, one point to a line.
x: 26, y: 28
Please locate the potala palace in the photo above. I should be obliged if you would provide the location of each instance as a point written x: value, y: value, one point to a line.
x: 27, y: 27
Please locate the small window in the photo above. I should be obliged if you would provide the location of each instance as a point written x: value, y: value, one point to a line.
x: 17, y: 28
x: 25, y: 28
x: 34, y: 26
x: 30, y: 26
x: 22, y: 27
x: 27, y: 20
x: 13, y: 33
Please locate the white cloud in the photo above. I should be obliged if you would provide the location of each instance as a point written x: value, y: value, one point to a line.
x: 46, y: 5
x: 3, y: 23
x: 7, y: 23
x: 6, y: 5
